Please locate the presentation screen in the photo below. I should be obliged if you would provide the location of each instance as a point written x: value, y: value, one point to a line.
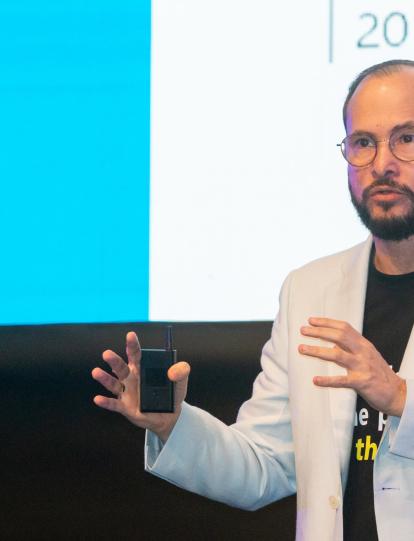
x: 175, y: 159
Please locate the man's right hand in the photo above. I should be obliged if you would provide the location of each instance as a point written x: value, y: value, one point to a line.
x: 124, y: 383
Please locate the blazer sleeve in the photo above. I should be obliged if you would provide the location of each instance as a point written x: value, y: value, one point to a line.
x: 250, y: 463
x: 401, y: 433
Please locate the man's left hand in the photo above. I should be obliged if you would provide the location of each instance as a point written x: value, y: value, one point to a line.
x: 367, y: 372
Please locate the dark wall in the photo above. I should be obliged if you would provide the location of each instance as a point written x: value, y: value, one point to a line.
x: 73, y: 471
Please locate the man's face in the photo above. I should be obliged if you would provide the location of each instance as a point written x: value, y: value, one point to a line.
x: 383, y: 191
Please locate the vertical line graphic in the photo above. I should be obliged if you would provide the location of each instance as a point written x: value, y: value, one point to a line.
x: 331, y: 31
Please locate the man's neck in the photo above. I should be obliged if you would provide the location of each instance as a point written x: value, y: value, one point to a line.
x: 393, y: 257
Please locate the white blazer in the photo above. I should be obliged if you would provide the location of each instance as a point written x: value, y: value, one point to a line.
x: 292, y: 436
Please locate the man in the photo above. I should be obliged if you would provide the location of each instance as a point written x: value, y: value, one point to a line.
x: 318, y: 408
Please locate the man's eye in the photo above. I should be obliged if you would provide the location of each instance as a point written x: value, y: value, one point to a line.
x: 363, y: 142
x: 406, y: 138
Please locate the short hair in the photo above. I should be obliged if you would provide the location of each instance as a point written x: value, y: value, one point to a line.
x: 384, y: 68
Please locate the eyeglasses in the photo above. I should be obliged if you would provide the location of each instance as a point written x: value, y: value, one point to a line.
x: 360, y: 149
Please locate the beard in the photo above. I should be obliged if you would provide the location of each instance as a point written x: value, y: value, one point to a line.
x: 395, y: 228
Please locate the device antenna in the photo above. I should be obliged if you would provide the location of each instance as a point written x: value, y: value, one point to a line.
x: 169, y: 338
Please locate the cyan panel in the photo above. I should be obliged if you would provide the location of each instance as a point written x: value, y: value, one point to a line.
x: 74, y: 167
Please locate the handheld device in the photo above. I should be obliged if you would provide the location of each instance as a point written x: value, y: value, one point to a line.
x: 156, y: 390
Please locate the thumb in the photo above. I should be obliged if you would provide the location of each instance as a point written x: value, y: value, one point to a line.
x: 179, y: 373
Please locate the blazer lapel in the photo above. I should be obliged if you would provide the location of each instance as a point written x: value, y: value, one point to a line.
x: 345, y: 300
x: 406, y: 371
x: 407, y: 363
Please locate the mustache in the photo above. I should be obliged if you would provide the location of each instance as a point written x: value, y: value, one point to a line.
x: 387, y: 183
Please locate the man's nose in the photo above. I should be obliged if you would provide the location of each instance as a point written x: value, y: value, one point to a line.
x: 385, y: 163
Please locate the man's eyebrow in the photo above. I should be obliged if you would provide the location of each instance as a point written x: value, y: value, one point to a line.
x: 409, y: 124
x: 363, y: 132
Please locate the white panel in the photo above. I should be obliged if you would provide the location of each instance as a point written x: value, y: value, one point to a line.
x: 246, y: 180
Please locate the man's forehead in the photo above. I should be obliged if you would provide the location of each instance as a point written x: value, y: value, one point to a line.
x: 381, y: 81
x: 382, y: 99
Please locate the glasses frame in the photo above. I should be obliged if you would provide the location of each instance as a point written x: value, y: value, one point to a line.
x: 341, y: 145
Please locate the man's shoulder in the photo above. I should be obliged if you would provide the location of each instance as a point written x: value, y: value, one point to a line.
x: 332, y: 265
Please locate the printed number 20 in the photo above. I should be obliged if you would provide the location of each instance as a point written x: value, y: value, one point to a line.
x: 395, y: 30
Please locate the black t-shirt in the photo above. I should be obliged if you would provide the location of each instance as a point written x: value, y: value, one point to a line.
x: 388, y: 320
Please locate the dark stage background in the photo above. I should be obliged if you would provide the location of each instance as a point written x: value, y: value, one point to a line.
x: 72, y: 471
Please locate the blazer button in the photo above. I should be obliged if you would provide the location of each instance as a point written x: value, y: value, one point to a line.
x: 334, y: 502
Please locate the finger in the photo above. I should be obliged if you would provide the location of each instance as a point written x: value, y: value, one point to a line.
x: 332, y: 381
x: 331, y: 323
x: 117, y: 364
x: 133, y: 349
x: 111, y: 404
x: 334, y: 354
x: 337, y: 336
x: 111, y: 384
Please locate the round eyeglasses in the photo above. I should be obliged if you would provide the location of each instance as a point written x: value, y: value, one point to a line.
x: 360, y: 149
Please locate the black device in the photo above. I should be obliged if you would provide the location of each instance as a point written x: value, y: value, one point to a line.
x: 156, y: 390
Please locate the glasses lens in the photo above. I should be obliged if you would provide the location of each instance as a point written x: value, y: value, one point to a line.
x: 402, y: 144
x: 359, y: 149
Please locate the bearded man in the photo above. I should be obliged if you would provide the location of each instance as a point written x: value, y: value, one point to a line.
x: 331, y: 415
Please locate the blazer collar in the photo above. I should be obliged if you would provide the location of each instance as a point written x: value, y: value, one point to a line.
x: 345, y: 298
